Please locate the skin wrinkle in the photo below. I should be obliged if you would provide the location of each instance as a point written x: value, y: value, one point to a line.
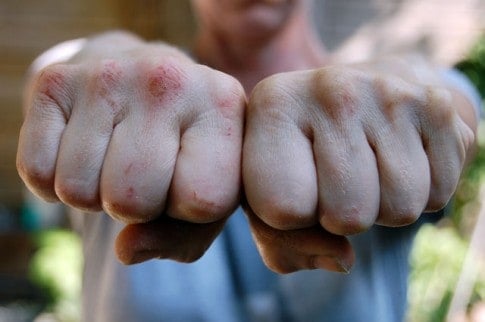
x: 52, y: 83
x: 106, y: 84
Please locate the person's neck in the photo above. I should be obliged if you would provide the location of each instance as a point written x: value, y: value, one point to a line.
x: 295, y: 47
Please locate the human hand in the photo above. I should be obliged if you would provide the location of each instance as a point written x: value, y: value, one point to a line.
x: 337, y: 149
x: 148, y: 136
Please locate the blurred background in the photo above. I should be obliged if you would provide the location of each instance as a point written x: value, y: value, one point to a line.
x: 41, y: 260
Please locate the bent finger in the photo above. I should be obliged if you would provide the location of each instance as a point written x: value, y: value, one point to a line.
x: 165, y: 238
x: 287, y: 251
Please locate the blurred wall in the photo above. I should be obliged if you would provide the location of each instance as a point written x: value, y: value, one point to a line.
x: 444, y: 30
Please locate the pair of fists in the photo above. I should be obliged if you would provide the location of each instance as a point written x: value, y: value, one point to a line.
x: 160, y: 143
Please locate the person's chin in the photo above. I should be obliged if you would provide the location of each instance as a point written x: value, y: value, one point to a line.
x: 262, y: 21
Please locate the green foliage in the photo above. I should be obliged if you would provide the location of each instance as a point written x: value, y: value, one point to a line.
x: 434, y: 272
x: 439, y: 251
x: 474, y: 66
x: 56, y: 267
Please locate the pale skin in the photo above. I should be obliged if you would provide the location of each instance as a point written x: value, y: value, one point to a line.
x: 325, y: 150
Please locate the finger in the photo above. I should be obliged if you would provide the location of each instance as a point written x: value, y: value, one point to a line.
x: 206, y: 181
x: 85, y: 140
x: 403, y: 173
x: 48, y: 108
x: 446, y: 139
x: 278, y: 168
x: 139, y: 165
x: 287, y: 251
x: 165, y: 238
x: 348, y: 182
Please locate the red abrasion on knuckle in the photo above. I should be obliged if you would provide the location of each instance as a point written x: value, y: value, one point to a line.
x: 51, y: 85
x: 106, y: 83
x: 164, y: 83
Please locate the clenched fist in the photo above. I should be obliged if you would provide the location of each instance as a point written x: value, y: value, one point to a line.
x: 146, y: 135
x: 343, y: 147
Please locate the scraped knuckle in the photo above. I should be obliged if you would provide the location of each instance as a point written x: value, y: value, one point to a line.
x: 164, y: 80
x: 52, y: 84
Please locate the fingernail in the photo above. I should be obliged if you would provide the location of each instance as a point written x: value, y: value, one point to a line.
x: 332, y: 263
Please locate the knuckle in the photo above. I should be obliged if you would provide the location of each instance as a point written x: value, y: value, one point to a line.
x: 52, y: 84
x: 271, y: 93
x: 105, y: 77
x: 37, y: 177
x: 201, y: 208
x: 400, y: 215
x: 439, y: 198
x: 128, y: 208
x: 78, y: 194
x: 392, y: 93
x: 406, y: 217
x: 226, y: 93
x: 345, y: 221
x: 439, y: 106
x: 285, y: 215
x: 336, y: 91
x: 103, y: 84
x: 164, y: 81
